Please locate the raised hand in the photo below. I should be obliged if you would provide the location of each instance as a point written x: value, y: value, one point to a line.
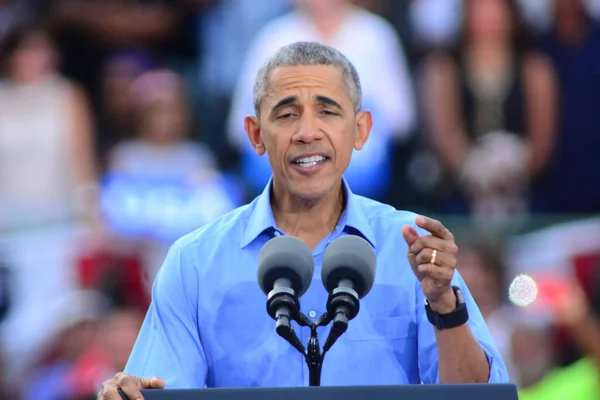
x: 433, y: 260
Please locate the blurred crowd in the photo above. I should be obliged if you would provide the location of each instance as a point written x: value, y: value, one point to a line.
x: 121, y: 129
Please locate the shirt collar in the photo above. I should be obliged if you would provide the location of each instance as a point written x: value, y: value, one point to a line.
x: 353, y: 219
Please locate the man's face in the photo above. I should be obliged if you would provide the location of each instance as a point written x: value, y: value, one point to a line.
x: 308, y: 128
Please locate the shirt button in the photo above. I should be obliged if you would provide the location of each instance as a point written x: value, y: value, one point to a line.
x: 312, y: 314
x: 277, y: 233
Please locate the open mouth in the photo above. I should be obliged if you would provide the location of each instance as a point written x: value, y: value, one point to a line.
x: 310, y: 161
x: 310, y: 165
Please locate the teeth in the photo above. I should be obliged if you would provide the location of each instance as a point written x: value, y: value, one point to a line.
x: 310, y: 161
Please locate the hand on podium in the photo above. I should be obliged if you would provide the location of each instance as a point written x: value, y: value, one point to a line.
x: 129, y: 385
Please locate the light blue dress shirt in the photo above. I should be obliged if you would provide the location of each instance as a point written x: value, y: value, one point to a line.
x: 208, y: 325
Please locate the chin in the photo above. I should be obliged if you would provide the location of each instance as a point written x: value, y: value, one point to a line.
x: 313, y: 189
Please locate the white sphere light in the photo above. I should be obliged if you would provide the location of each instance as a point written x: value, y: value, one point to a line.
x: 523, y: 290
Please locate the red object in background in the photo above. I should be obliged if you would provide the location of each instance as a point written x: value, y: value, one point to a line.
x: 586, y: 266
x: 88, y: 373
x: 585, y: 269
x: 119, y: 276
x: 552, y: 291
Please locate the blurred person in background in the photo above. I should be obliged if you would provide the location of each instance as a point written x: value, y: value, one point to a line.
x: 573, y: 46
x: 73, y: 332
x: 116, y: 115
x: 46, y: 136
x: 480, y: 262
x: 535, y: 355
x: 92, y: 30
x: 107, y: 353
x: 489, y: 110
x: 162, y: 185
x: 373, y: 46
x: 48, y: 190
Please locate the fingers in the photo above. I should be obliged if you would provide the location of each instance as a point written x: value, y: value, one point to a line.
x: 434, y: 227
x: 129, y: 385
x: 410, y: 234
x: 441, y: 276
x: 433, y: 242
x: 442, y: 259
x: 152, y: 383
x: 109, y: 391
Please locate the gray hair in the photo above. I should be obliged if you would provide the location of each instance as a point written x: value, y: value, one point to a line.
x: 308, y: 53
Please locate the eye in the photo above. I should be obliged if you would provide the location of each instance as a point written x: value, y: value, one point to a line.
x: 329, y: 112
x: 286, y: 116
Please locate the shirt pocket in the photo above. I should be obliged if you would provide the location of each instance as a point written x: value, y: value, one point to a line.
x: 382, y: 328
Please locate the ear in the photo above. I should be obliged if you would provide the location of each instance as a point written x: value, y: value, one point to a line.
x: 364, y: 123
x: 252, y: 126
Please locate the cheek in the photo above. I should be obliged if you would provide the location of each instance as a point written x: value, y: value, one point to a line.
x: 276, y: 147
x: 343, y: 143
x: 278, y: 141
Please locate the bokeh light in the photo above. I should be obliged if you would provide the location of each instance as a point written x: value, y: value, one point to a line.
x: 523, y: 290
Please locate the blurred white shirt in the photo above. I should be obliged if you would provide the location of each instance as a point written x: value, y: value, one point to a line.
x: 36, y: 182
x: 435, y: 22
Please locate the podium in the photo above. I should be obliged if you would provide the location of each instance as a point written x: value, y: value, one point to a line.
x: 404, y: 392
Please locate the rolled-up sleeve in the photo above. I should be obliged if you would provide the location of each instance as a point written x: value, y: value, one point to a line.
x: 428, y: 353
x: 168, y: 345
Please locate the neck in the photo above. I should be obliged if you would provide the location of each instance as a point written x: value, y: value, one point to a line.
x: 488, y: 50
x: 328, y: 22
x: 489, y: 57
x: 29, y: 77
x: 308, y: 220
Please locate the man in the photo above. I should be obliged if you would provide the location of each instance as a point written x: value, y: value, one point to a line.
x: 207, y: 325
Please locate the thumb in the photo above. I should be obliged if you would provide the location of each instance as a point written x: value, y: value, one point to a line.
x: 152, y: 383
x: 410, y: 234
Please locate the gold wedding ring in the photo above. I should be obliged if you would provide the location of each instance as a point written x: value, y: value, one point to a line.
x: 433, y: 257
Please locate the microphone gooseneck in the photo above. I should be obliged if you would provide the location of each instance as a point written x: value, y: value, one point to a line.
x: 342, y: 306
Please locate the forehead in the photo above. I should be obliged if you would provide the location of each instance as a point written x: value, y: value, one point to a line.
x: 326, y: 79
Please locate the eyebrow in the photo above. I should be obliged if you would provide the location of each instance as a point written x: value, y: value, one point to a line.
x: 292, y: 99
x: 284, y: 102
x: 329, y: 101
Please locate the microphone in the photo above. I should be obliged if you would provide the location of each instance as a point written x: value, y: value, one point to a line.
x: 348, y: 274
x: 285, y: 270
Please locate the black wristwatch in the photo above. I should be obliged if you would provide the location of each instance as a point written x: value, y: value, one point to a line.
x: 458, y: 317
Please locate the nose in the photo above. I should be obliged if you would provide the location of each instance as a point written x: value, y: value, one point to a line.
x: 309, y: 129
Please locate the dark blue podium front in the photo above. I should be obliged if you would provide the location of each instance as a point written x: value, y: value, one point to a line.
x: 406, y: 392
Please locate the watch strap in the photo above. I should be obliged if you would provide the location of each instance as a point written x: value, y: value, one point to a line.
x: 458, y: 317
